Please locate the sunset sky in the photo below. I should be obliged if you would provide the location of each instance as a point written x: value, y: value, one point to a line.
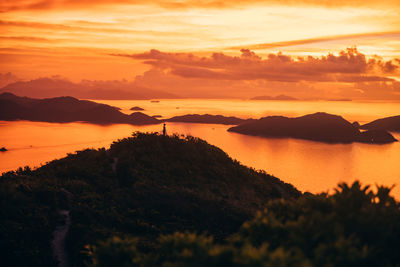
x: 311, y: 49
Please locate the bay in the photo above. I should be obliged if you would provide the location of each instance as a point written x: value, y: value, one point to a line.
x: 310, y: 166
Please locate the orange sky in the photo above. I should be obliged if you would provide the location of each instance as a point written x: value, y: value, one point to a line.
x: 193, y: 48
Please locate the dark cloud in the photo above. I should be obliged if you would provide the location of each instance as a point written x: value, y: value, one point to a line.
x: 348, y: 66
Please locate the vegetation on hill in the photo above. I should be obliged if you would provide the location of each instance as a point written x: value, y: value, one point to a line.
x: 352, y: 227
x: 142, y: 187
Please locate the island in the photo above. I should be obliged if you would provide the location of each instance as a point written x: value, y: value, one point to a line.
x: 391, y: 124
x: 136, y: 108
x: 209, y: 119
x: 278, y: 97
x: 319, y: 126
x: 66, y: 109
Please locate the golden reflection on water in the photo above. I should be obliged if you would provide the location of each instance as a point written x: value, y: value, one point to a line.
x: 310, y: 166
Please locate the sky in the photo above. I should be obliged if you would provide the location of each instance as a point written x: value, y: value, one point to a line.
x: 309, y: 49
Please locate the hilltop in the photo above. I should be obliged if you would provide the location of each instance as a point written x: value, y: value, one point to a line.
x: 386, y: 124
x: 143, y: 186
x: 207, y: 118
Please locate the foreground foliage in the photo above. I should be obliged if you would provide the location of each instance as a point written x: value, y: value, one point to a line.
x: 352, y: 227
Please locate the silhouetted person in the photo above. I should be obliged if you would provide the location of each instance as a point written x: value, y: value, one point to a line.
x: 164, y: 130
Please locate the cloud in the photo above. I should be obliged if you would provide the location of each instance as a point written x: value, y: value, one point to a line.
x: 390, y: 34
x: 91, y: 27
x: 379, y: 90
x: 25, y: 38
x: 7, y: 78
x: 7, y: 6
x: 348, y: 66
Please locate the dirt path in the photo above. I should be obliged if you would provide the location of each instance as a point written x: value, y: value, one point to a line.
x: 114, y: 164
x: 60, y: 234
x: 59, y: 238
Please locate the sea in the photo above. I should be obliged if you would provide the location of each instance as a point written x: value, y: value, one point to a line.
x: 310, y: 166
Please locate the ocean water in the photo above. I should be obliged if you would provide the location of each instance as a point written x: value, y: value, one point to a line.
x: 310, y: 166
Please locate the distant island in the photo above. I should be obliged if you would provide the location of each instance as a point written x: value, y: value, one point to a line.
x: 318, y: 127
x: 340, y: 99
x: 86, y: 89
x: 136, y: 108
x: 386, y: 124
x: 278, y: 97
x: 321, y: 127
x: 66, y: 109
x: 207, y: 118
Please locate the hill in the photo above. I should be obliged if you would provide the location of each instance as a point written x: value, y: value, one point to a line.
x: 207, y: 118
x: 136, y: 108
x: 278, y: 97
x: 317, y: 127
x: 143, y: 186
x: 65, y: 109
x: 56, y: 87
x: 387, y: 124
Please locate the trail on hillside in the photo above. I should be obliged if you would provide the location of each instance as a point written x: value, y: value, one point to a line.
x: 60, y: 235
x: 59, y: 240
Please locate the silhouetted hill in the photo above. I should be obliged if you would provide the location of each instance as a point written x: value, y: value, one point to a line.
x: 317, y: 127
x: 340, y: 99
x: 278, y: 97
x: 385, y: 124
x: 376, y: 137
x: 55, y: 87
x: 143, y: 118
x: 207, y: 118
x: 65, y: 109
x: 136, y: 108
x: 143, y: 186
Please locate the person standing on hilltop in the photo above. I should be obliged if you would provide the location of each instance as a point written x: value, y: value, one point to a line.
x: 164, y: 130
